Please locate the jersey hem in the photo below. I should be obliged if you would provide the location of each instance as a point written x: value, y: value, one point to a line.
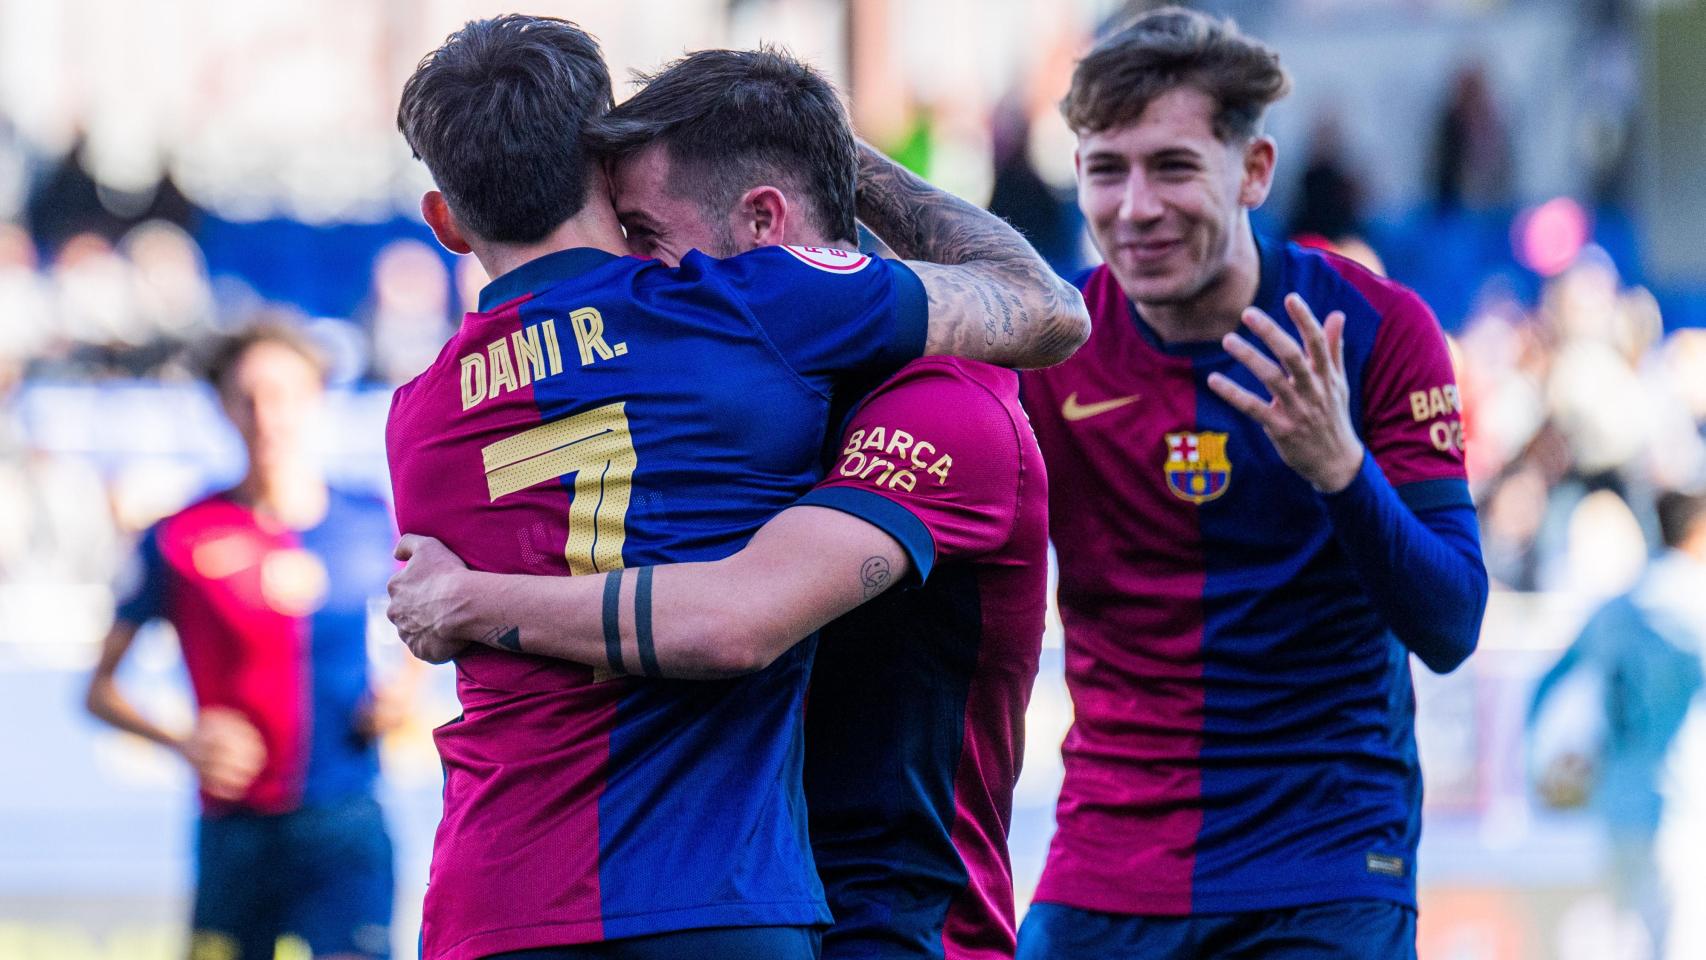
x: 804, y: 913
x: 1158, y: 903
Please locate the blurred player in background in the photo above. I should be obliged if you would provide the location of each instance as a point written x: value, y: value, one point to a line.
x: 602, y: 412
x: 1620, y: 723
x: 267, y: 586
x: 915, y: 731
x: 1254, y: 534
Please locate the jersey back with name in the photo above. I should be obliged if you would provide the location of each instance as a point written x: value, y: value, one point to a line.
x: 603, y: 412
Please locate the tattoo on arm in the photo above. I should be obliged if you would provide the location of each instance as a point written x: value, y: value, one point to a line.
x: 875, y: 574
x: 643, y: 623
x: 612, y: 627
x: 995, y: 272
x: 507, y: 637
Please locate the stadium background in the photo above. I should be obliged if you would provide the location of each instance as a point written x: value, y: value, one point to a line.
x: 1535, y: 168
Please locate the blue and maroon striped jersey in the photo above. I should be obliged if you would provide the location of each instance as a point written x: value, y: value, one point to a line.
x: 273, y: 623
x: 915, y: 730
x: 601, y: 412
x: 1243, y: 717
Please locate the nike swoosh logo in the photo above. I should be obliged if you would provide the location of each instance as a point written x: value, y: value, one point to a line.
x: 1073, y: 411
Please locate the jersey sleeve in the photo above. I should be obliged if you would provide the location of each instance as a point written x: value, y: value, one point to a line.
x: 141, y: 587
x: 933, y: 458
x: 833, y: 315
x: 1412, y: 411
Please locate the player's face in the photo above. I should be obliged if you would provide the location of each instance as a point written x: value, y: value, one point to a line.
x: 1166, y: 199
x: 660, y: 223
x: 272, y: 396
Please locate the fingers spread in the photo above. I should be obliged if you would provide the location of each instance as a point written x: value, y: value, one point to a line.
x: 1314, y: 337
x: 1240, y: 399
x: 1279, y: 343
x: 1335, y: 334
x: 1266, y: 371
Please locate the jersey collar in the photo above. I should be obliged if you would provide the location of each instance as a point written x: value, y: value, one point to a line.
x: 541, y: 272
x: 1270, y: 285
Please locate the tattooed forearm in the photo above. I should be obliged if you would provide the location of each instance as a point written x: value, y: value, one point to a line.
x: 991, y: 297
x: 507, y: 637
x: 922, y: 222
x: 875, y: 574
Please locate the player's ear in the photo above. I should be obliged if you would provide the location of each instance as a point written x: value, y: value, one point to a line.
x: 1259, y: 156
x: 763, y: 217
x: 443, y: 223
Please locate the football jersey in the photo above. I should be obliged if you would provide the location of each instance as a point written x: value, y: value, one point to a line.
x: 272, y: 622
x: 915, y: 729
x: 601, y: 412
x: 1243, y: 717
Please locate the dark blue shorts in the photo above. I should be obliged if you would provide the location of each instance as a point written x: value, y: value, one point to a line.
x: 1344, y: 930
x: 321, y: 874
x: 720, y: 943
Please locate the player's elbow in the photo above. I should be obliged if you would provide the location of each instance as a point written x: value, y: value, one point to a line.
x: 97, y: 698
x: 1453, y: 641
x: 1067, y: 329
x: 727, y: 655
x: 1445, y: 654
x: 725, y: 644
x: 1075, y: 321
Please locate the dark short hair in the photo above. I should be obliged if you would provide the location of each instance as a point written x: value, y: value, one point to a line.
x: 221, y: 356
x: 731, y: 120
x: 497, y: 114
x: 1169, y: 48
x: 1679, y: 513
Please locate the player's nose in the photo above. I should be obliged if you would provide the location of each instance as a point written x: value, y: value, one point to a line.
x: 1139, y: 201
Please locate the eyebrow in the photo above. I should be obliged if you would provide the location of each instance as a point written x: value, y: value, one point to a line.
x: 1096, y: 155
x: 1175, y: 153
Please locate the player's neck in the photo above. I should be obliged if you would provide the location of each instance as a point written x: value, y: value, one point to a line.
x: 294, y: 496
x: 1214, y: 311
x: 594, y: 226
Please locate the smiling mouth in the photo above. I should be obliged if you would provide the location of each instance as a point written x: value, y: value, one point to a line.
x: 1150, y: 249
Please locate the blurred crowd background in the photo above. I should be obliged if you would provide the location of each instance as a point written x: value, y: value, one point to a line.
x: 170, y: 169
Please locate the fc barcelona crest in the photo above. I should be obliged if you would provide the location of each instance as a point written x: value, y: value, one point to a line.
x: 1197, y: 468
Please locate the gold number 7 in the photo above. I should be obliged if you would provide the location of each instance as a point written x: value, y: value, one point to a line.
x: 597, y: 448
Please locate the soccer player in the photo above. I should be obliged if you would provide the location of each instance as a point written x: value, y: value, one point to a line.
x: 937, y: 479
x: 267, y: 586
x: 1255, y: 531
x: 602, y: 412
x: 1620, y: 722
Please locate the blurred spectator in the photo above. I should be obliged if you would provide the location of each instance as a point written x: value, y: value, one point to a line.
x: 70, y: 201
x: 66, y: 202
x: 24, y: 300
x: 1048, y: 217
x: 54, y: 525
x: 173, y: 297
x: 1330, y: 194
x: 1608, y: 719
x: 410, y: 309
x: 1580, y: 395
x: 1472, y: 164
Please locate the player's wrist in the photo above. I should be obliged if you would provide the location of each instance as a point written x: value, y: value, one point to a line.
x: 460, y: 616
x: 1340, y: 473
